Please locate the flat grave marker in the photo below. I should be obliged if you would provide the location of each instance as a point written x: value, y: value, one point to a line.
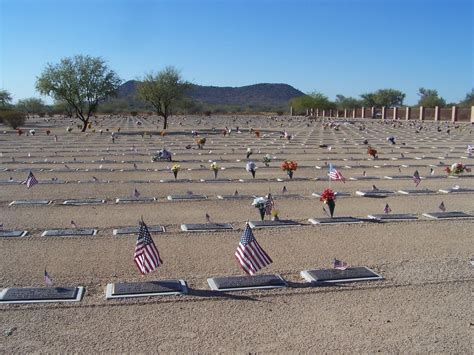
x: 351, y: 274
x: 374, y: 193
x: 393, y: 217
x: 454, y: 190
x: 448, y: 215
x: 29, y: 202
x: 145, y: 289
x: 235, y: 197
x: 41, y: 295
x: 89, y: 201
x: 69, y: 232
x: 242, y: 283
x: 416, y: 192
x: 135, y: 200
x: 135, y: 230
x: 356, y: 178
x: 206, y: 227
x: 337, y: 194
x: 186, y: 197
x: 12, y: 234
x: 272, y: 224
x: 335, y: 220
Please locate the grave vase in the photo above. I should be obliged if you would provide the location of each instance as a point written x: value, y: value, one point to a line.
x: 253, y: 173
x: 262, y: 212
x: 290, y: 173
x: 331, y: 204
x: 175, y: 173
x: 215, y: 174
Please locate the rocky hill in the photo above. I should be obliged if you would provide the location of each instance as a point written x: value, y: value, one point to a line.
x: 257, y: 95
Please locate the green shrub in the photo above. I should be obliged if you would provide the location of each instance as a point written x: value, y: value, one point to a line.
x: 13, y: 118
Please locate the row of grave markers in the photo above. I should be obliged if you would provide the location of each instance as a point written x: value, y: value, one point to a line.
x: 317, y: 277
x: 209, y: 227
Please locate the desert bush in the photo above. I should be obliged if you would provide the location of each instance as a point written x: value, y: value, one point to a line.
x: 280, y: 113
x: 13, y: 118
x: 207, y: 113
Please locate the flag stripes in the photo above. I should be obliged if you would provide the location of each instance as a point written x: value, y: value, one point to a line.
x: 250, y: 254
x: 146, y: 257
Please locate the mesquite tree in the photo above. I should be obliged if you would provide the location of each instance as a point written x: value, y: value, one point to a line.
x: 83, y: 82
x: 162, y: 91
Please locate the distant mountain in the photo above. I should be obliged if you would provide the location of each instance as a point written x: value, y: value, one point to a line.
x: 256, y: 95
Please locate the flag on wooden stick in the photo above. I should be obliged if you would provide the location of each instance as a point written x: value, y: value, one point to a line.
x: 250, y: 254
x: 146, y: 257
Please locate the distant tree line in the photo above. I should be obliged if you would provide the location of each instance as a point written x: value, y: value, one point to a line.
x: 82, y: 86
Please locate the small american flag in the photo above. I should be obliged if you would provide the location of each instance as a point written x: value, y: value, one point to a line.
x: 31, y: 180
x: 339, y: 265
x: 269, y: 204
x: 416, y: 178
x: 208, y: 218
x: 387, y: 209
x: 47, y: 279
x: 136, y: 194
x: 250, y: 254
x: 442, y: 207
x: 146, y: 254
x: 335, y: 175
x: 73, y: 224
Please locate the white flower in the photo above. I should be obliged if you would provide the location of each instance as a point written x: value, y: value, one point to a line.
x: 259, y: 201
x: 249, y: 150
x: 250, y: 166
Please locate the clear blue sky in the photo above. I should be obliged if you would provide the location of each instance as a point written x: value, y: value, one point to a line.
x: 334, y: 46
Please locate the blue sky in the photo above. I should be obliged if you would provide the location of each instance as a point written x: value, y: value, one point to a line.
x: 333, y: 46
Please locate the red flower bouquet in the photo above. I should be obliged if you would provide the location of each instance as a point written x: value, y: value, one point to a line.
x: 328, y: 197
x: 289, y: 167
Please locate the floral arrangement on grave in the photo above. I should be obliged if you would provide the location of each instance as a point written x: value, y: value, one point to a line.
x: 275, y: 214
x: 69, y: 129
x: 251, y: 167
x: 215, y: 168
x: 200, y: 142
x: 163, y: 133
x: 175, y: 169
x: 267, y: 160
x: 289, y: 167
x: 372, y: 152
x: 19, y: 131
x: 260, y: 202
x: 249, y: 152
x: 456, y: 169
x: 257, y: 133
x: 328, y: 197
x: 48, y: 132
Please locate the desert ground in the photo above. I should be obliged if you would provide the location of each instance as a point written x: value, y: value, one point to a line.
x: 423, y: 304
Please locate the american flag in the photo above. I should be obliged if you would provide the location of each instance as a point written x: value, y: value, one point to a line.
x: 269, y: 204
x: 340, y: 265
x: 387, y: 209
x: 136, y: 194
x: 47, y: 279
x: 442, y: 207
x: 250, y: 254
x: 335, y: 175
x: 31, y: 180
x: 146, y: 254
x: 416, y: 178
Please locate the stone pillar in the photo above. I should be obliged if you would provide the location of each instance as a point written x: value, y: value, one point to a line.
x: 454, y: 114
x: 353, y: 113
x: 307, y: 112
x: 311, y: 112
x: 422, y: 113
x: 345, y: 113
x: 436, y: 117
x: 395, y: 111
x: 291, y: 110
x: 337, y: 113
x: 384, y: 114
x: 372, y: 112
x: 407, y: 113
x: 363, y: 112
x: 331, y: 113
x: 324, y: 113
x: 472, y: 114
x: 317, y: 112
